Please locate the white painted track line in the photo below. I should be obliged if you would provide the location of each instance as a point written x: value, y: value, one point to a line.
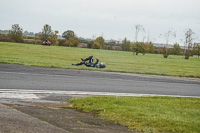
x: 31, y: 94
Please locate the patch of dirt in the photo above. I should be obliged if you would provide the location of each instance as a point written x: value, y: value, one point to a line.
x: 63, y: 116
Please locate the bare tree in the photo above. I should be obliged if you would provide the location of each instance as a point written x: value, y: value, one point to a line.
x: 168, y: 35
x: 188, y: 43
x: 138, y: 28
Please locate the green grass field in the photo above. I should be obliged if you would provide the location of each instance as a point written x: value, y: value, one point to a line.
x: 116, y: 61
x: 146, y: 114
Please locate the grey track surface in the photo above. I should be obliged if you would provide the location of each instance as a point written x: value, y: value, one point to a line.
x: 13, y: 121
x: 14, y: 76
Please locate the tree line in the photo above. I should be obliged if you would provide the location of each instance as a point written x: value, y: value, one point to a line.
x: 70, y: 39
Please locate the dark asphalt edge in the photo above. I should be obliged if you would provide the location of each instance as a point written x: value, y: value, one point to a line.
x: 13, y: 120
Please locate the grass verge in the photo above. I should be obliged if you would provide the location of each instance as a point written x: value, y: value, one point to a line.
x: 116, y: 61
x: 146, y: 114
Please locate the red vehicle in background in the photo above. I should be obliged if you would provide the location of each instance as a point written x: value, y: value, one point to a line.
x: 47, y: 42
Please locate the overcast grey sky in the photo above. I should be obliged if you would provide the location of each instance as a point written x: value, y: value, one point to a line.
x: 112, y: 19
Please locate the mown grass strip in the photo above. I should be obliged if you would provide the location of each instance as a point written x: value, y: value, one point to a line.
x: 116, y: 61
x: 146, y: 114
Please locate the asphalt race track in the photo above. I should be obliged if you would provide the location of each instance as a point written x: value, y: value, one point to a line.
x: 14, y: 76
